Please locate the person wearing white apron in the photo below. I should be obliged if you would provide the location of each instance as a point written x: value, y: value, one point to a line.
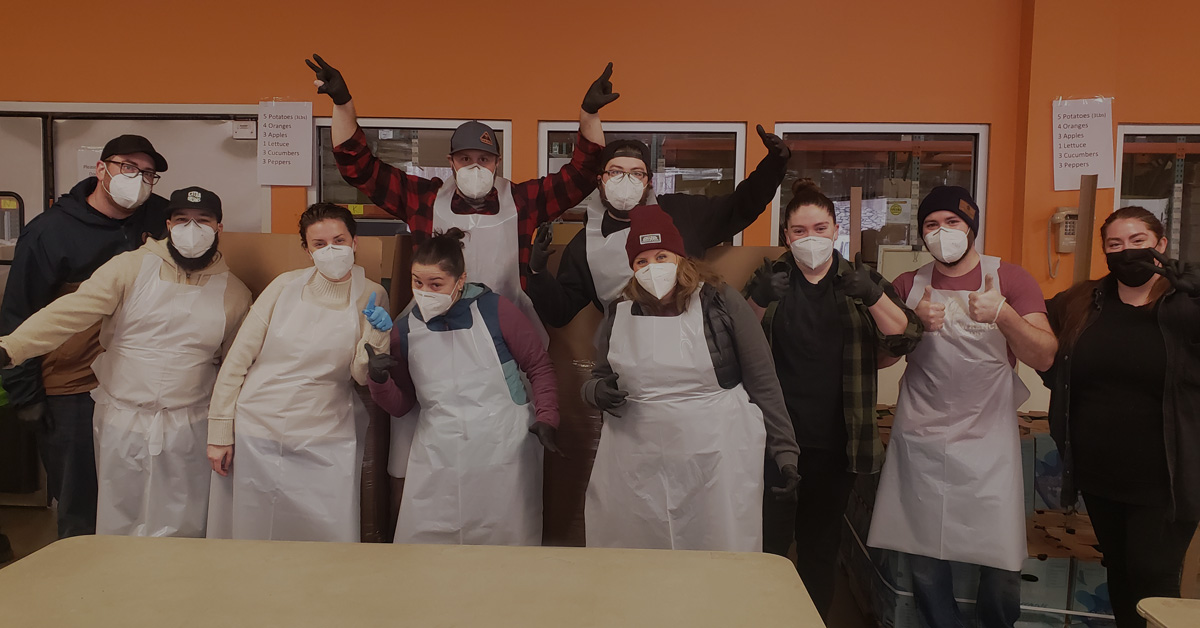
x: 501, y: 216
x: 951, y: 488
x: 680, y: 460
x: 593, y: 268
x: 168, y: 311
x: 287, y: 429
x: 474, y: 473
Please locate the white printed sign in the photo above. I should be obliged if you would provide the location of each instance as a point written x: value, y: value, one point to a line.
x: 87, y: 157
x: 285, y: 143
x: 1083, y: 142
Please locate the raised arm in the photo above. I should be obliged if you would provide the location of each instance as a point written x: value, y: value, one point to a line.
x: 712, y: 221
x: 392, y: 189
x: 554, y: 194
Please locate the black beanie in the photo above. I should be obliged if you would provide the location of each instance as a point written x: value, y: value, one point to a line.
x: 951, y: 198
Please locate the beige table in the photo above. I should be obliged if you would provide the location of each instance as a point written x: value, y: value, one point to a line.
x: 106, y: 581
x: 1164, y: 612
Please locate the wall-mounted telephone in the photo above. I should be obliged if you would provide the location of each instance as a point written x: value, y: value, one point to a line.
x: 1060, y: 236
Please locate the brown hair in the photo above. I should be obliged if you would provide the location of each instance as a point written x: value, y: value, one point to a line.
x: 1133, y: 212
x: 804, y: 192
x: 688, y: 278
x: 1080, y: 299
x: 444, y: 250
x: 318, y: 212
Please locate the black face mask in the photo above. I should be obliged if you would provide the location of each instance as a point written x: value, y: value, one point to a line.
x: 1126, y: 266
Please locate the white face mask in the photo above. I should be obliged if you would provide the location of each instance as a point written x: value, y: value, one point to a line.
x: 812, y: 251
x: 432, y: 304
x: 947, y: 245
x: 624, y: 193
x: 657, y: 279
x: 192, y: 239
x: 128, y: 192
x: 474, y: 181
x: 334, y: 261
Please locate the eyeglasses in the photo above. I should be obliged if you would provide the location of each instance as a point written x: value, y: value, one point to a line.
x: 637, y: 174
x: 131, y: 171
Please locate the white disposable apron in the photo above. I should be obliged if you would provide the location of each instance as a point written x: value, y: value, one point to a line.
x: 682, y: 467
x: 951, y: 486
x: 606, y: 257
x: 491, y: 249
x: 151, y: 419
x: 300, y: 427
x: 474, y: 471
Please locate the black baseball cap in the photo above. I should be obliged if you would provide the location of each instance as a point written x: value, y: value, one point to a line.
x: 194, y: 198
x: 625, y: 148
x: 476, y: 135
x: 130, y: 144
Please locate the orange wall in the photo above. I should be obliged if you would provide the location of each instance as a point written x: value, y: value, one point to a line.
x: 1134, y: 51
x: 773, y: 60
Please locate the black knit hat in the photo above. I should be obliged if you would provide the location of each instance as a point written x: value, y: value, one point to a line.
x: 625, y: 148
x: 950, y: 198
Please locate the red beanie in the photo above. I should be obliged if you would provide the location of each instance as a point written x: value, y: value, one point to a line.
x: 651, y: 228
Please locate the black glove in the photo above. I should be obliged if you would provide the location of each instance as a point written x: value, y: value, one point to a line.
x: 335, y: 85
x: 791, y: 482
x: 1183, y: 277
x: 858, y: 284
x: 33, y: 414
x: 545, y: 435
x: 768, y: 284
x: 608, y: 396
x: 540, y: 252
x: 775, y: 145
x: 379, y: 365
x: 600, y: 93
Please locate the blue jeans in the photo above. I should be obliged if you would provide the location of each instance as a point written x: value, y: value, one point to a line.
x: 997, y: 605
x: 65, y: 445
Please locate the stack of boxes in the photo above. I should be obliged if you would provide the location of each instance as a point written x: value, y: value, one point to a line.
x: 1063, y: 572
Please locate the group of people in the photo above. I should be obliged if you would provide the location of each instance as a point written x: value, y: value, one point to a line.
x: 734, y: 418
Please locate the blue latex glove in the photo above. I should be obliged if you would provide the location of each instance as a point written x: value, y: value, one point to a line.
x: 377, y: 316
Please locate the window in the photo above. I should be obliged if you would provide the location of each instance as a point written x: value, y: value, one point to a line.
x: 690, y: 158
x: 1159, y: 169
x: 419, y: 147
x: 894, y: 164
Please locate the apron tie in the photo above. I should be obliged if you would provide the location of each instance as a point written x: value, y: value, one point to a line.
x: 156, y: 433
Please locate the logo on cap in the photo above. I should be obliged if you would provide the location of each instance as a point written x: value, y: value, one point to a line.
x: 193, y: 197
x: 486, y: 138
x: 651, y: 238
x: 965, y: 207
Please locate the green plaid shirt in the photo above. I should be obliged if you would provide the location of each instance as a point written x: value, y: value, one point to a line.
x: 860, y: 384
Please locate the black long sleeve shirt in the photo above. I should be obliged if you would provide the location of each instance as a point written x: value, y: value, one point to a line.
x: 702, y: 221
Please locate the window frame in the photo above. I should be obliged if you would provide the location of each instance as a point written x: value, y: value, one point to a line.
x: 981, y: 131
x: 1174, y: 227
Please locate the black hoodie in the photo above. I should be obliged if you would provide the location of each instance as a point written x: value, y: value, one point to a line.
x: 58, y: 250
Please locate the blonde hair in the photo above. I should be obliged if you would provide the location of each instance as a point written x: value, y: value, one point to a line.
x: 691, y: 273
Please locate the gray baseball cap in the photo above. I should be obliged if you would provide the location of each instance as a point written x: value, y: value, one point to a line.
x: 476, y: 135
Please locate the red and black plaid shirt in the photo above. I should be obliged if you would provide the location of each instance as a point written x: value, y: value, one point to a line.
x: 411, y: 198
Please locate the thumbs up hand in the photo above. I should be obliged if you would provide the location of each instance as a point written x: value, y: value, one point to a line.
x: 984, y: 306
x: 377, y: 316
x: 932, y: 315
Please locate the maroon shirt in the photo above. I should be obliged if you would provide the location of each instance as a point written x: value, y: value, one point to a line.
x: 1016, y: 285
